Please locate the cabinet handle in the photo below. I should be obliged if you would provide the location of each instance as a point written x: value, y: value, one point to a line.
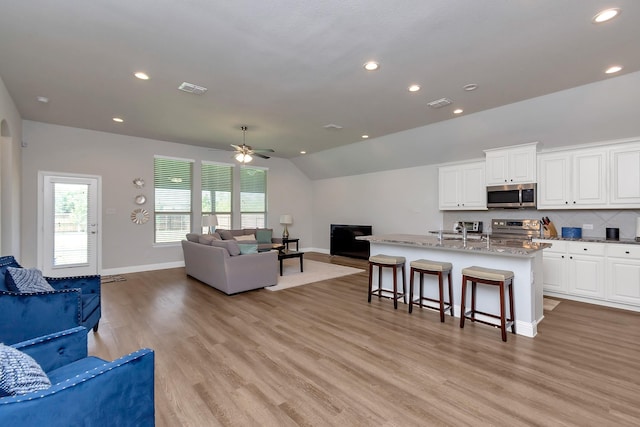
x: 626, y: 252
x: 570, y: 257
x: 574, y: 202
x: 566, y: 203
x: 584, y: 249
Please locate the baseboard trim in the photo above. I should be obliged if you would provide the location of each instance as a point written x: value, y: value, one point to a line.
x: 141, y: 268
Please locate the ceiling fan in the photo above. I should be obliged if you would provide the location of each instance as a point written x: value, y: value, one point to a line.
x: 244, y: 153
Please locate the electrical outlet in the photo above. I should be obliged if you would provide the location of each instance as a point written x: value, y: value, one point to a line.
x: 587, y: 226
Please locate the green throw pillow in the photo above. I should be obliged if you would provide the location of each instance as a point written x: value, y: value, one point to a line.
x: 264, y: 236
x: 246, y: 248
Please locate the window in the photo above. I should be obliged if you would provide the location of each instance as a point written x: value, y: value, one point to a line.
x: 172, y: 181
x: 253, y: 197
x: 217, y: 187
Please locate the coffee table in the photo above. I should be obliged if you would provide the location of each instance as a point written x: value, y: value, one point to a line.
x: 286, y: 253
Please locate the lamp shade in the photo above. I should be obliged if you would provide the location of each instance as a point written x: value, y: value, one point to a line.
x: 209, y: 220
x: 286, y: 219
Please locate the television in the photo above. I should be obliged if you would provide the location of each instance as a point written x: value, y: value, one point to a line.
x: 343, y: 240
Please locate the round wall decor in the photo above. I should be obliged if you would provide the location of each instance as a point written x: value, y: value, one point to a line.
x: 141, y: 199
x: 139, y: 216
x: 138, y: 182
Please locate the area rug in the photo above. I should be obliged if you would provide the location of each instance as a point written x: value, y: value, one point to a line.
x: 549, y: 304
x: 314, y: 271
x: 111, y: 279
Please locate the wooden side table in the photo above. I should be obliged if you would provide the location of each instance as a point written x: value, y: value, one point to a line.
x: 286, y: 242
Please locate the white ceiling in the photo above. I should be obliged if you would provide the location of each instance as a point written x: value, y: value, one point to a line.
x: 287, y: 68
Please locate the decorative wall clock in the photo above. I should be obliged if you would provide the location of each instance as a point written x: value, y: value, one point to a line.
x: 140, y: 216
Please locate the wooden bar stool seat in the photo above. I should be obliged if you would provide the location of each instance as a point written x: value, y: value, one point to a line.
x: 436, y: 268
x: 393, y: 262
x: 488, y: 276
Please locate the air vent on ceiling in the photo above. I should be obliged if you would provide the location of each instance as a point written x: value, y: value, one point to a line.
x: 191, y: 88
x: 332, y: 126
x: 439, y: 103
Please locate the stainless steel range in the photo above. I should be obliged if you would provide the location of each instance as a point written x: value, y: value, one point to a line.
x: 514, y: 232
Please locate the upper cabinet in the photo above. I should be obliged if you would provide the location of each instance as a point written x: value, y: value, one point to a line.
x: 462, y: 187
x: 572, y: 180
x: 625, y: 175
x: 513, y: 165
x: 605, y: 177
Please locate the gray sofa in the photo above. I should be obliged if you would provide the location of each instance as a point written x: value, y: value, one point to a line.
x: 220, y: 264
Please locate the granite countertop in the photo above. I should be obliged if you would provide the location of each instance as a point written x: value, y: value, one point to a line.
x: 527, y: 249
x: 591, y: 240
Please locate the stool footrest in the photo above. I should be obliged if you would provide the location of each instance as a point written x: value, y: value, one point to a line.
x: 447, y: 306
x: 470, y: 315
x: 379, y: 293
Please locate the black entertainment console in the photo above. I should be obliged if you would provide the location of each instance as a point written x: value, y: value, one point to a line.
x: 344, y: 243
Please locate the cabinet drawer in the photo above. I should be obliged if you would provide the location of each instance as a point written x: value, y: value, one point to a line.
x: 624, y: 251
x: 556, y: 246
x: 585, y: 248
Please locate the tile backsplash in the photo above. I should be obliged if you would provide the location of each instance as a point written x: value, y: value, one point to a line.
x: 624, y: 219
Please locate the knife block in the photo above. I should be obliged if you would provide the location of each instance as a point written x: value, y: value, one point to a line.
x: 550, y: 230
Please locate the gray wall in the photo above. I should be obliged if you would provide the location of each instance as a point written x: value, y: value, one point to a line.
x: 10, y: 166
x: 118, y: 160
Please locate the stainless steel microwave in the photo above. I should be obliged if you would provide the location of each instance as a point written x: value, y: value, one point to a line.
x: 512, y: 196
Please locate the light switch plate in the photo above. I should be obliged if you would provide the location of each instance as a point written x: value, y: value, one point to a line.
x: 587, y: 226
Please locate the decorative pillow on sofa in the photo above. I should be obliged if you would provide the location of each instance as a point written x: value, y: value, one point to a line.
x: 248, y: 248
x: 27, y: 280
x: 19, y: 373
x: 230, y: 245
x: 264, y: 235
x: 225, y: 234
x: 193, y: 237
x: 246, y: 238
x: 206, y: 239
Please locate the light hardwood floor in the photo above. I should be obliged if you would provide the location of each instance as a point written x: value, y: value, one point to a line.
x: 319, y: 355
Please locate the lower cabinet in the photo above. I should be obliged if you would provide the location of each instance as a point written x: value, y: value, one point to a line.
x: 623, y: 272
x: 601, y: 273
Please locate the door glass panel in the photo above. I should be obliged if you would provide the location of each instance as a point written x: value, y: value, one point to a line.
x: 71, y: 228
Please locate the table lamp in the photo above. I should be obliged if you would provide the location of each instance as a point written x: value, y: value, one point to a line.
x: 286, y: 220
x: 210, y: 221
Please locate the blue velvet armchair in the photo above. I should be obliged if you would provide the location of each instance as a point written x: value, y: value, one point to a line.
x: 85, y: 391
x: 75, y: 302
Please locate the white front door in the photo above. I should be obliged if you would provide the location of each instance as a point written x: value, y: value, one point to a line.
x: 69, y: 219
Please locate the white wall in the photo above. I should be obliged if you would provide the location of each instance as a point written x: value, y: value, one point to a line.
x: 118, y: 160
x: 398, y: 201
x: 10, y: 165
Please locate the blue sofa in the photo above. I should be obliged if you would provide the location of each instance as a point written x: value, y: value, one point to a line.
x: 75, y: 302
x: 85, y: 390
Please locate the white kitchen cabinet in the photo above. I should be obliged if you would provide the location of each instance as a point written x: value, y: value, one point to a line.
x: 511, y: 165
x: 625, y: 176
x: 554, y: 268
x: 462, y: 187
x: 623, y: 273
x: 574, y: 179
x: 586, y: 269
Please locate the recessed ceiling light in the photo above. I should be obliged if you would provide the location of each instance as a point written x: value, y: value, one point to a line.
x: 414, y: 88
x: 365, y: 136
x: 43, y: 99
x: 458, y: 111
x: 371, y: 66
x: 605, y: 15
x: 613, y: 69
x: 470, y: 87
x: 303, y: 152
x: 141, y: 75
x: 118, y: 120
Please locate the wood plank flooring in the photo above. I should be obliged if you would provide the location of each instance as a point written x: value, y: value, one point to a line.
x: 319, y: 355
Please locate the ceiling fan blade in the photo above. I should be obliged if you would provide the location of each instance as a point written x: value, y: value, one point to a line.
x: 263, y: 150
x: 260, y: 155
x: 236, y: 147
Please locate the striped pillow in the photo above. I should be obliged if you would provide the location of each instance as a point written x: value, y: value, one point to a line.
x: 19, y: 373
x: 27, y: 280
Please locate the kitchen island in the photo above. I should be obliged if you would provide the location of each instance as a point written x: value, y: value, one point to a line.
x: 525, y: 261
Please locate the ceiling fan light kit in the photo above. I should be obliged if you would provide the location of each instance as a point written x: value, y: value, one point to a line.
x: 244, y: 153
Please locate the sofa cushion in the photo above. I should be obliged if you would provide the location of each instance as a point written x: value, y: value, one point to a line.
x: 264, y: 235
x: 225, y: 234
x: 246, y: 238
x: 206, y: 239
x: 19, y: 373
x: 248, y: 248
x: 230, y: 245
x: 27, y: 280
x: 193, y: 237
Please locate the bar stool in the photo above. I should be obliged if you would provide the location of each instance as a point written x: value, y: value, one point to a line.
x: 436, y: 268
x: 487, y: 276
x: 387, y: 261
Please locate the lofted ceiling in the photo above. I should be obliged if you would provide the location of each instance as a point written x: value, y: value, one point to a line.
x: 286, y: 69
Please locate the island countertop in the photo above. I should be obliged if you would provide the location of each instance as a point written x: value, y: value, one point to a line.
x: 528, y: 249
